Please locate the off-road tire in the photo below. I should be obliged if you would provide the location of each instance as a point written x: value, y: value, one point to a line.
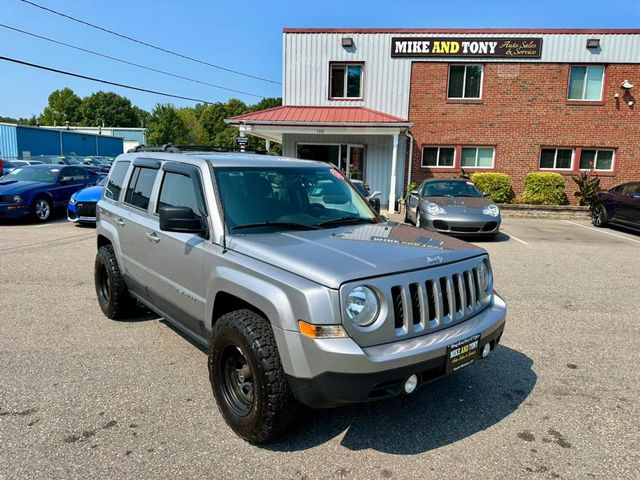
x: 113, y: 296
x: 273, y: 407
x: 599, y: 217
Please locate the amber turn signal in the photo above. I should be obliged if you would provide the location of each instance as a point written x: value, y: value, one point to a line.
x: 321, y: 331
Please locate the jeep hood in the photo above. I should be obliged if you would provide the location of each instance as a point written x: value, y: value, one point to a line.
x: 334, y: 256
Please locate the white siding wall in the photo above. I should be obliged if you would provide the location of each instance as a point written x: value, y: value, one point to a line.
x: 379, y: 149
x: 306, y: 60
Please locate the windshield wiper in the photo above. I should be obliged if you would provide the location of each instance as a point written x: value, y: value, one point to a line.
x: 292, y: 225
x: 348, y: 219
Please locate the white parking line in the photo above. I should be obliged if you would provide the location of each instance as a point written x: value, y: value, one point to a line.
x: 516, y: 239
x: 50, y: 224
x: 599, y: 230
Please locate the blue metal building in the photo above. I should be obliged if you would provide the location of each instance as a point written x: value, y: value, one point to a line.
x: 20, y: 141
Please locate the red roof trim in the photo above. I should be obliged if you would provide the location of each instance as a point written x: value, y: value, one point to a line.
x: 320, y: 114
x: 604, y: 31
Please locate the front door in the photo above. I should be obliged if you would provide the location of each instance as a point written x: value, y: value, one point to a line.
x: 349, y: 158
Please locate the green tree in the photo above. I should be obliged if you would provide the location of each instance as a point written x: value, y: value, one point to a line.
x: 142, y: 117
x: 270, y: 102
x: 195, y: 133
x: 63, y: 106
x: 166, y: 126
x: 108, y: 109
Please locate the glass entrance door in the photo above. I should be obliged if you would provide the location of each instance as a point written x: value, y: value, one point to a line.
x: 349, y: 158
x: 355, y: 162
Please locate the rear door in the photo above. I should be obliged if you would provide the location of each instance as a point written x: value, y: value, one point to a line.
x: 178, y: 259
x: 133, y: 221
x: 630, y: 204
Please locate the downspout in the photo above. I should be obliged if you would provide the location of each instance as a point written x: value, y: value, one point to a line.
x: 411, y: 140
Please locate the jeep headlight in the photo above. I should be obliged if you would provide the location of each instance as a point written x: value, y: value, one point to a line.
x: 492, y: 210
x: 362, y: 306
x: 435, y: 209
x: 485, y: 278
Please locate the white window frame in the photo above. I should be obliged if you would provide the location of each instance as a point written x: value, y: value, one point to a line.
x: 584, y: 86
x: 464, y: 80
x: 493, y: 157
x: 437, y: 165
x: 595, y: 160
x: 555, y: 159
x: 344, y: 88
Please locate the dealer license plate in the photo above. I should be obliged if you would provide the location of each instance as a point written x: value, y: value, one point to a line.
x: 462, y: 353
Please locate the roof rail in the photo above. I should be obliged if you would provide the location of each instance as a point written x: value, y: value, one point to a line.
x: 171, y: 148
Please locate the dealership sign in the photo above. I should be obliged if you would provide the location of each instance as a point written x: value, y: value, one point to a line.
x: 466, y: 47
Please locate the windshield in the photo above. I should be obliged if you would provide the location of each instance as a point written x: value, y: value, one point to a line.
x: 38, y: 174
x: 453, y: 188
x: 255, y: 199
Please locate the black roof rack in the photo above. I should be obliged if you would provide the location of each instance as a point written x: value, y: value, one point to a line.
x: 171, y: 148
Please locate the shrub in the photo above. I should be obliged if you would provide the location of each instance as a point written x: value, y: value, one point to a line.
x: 588, y: 188
x: 497, y: 184
x: 544, y: 188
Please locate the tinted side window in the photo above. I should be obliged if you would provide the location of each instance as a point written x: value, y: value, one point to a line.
x: 178, y: 190
x: 76, y: 174
x: 140, y: 186
x: 114, y: 186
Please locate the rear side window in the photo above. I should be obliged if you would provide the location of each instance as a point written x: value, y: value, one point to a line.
x: 178, y: 190
x: 140, y: 186
x: 76, y: 173
x: 114, y: 186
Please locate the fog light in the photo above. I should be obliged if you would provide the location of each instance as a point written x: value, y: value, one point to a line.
x: 411, y: 384
x: 486, y: 349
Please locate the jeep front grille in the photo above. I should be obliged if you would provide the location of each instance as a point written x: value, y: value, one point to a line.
x: 435, y: 303
x: 420, y: 302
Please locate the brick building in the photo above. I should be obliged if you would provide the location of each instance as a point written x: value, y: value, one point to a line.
x: 394, y: 107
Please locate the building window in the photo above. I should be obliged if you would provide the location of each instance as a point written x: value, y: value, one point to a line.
x: 601, y: 160
x: 585, y: 82
x: 556, y: 159
x: 346, y: 80
x: 477, y: 157
x: 465, y: 81
x: 438, y: 157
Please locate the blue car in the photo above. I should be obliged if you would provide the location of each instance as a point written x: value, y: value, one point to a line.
x: 620, y: 205
x: 38, y: 190
x: 82, y: 206
x: 7, y: 168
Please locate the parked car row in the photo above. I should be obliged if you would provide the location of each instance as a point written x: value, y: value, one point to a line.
x: 39, y: 190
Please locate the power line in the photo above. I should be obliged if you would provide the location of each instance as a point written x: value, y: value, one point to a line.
x: 146, y: 44
x: 92, y: 52
x: 99, y: 80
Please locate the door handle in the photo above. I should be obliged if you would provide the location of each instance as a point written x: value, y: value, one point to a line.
x: 120, y: 221
x: 153, y: 237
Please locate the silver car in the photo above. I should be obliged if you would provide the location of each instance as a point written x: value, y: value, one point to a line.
x: 300, y: 291
x: 452, y: 206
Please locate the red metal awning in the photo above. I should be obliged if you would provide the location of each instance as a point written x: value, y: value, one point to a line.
x: 329, y: 116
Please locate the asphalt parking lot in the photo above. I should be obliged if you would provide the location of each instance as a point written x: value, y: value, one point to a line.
x: 85, y: 397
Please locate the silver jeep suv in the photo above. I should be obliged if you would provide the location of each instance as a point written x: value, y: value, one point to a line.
x: 300, y: 291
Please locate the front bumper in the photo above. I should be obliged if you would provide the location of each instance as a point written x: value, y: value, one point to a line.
x: 13, y: 210
x: 86, y: 215
x: 331, y: 372
x: 461, y: 224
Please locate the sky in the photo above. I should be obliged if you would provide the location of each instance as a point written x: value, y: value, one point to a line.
x: 244, y: 36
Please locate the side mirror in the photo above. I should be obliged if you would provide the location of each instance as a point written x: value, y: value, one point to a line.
x: 375, y: 194
x: 486, y: 194
x: 180, y: 219
x: 414, y: 192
